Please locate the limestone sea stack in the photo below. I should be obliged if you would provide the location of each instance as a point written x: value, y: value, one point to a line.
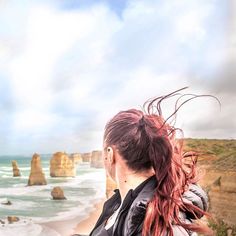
x: 58, y: 194
x: 12, y: 219
x: 76, y: 157
x: 86, y: 157
x: 96, y: 159
x: 37, y: 176
x: 16, y: 171
x: 62, y: 166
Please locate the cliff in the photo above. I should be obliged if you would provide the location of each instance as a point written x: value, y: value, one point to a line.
x: 62, y: 166
x: 217, y: 162
x: 221, y: 188
x: 36, y: 174
x: 110, y: 186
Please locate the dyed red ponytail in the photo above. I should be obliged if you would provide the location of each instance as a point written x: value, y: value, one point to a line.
x: 173, y: 178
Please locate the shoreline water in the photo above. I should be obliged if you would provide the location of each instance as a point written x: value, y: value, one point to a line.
x: 73, y: 224
x: 40, y: 215
x: 77, y: 225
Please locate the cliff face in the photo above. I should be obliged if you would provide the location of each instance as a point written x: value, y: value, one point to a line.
x: 86, y: 157
x: 62, y: 166
x: 110, y: 186
x: 218, y: 161
x: 16, y: 171
x: 96, y: 159
x: 36, y: 174
x: 221, y: 188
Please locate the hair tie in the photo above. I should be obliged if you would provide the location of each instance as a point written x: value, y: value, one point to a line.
x: 141, y: 122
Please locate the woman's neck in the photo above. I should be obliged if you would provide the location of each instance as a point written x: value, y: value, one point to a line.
x: 127, y: 179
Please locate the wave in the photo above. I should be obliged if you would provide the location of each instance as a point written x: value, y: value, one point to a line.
x: 26, y: 168
x: 19, y: 191
x: 8, y: 168
x: 84, y: 191
x: 21, y: 188
x: 81, y: 210
x: 6, y: 176
x: 27, y: 229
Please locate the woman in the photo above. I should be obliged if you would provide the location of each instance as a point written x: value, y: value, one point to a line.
x: 156, y: 194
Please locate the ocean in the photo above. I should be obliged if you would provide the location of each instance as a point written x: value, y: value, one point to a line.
x: 34, y: 204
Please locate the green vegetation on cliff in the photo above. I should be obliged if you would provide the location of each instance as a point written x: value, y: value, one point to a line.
x: 220, y: 154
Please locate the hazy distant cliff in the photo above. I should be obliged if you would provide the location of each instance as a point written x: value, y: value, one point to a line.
x: 96, y: 159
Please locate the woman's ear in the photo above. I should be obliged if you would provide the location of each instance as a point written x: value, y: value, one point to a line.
x: 110, y: 155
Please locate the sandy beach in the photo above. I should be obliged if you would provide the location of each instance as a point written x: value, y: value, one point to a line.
x: 85, y: 226
x: 76, y: 225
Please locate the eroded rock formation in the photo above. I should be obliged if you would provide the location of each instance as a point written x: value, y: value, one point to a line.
x: 16, y: 171
x: 76, y: 157
x: 58, y: 194
x: 6, y: 202
x: 96, y: 159
x: 12, y: 219
x: 37, y: 176
x: 86, y: 157
x: 62, y: 166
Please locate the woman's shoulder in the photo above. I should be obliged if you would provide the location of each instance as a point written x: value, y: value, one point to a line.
x: 136, y: 214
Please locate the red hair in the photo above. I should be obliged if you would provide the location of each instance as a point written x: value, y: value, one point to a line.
x: 146, y: 140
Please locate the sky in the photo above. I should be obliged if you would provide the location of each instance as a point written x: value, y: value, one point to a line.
x: 67, y: 66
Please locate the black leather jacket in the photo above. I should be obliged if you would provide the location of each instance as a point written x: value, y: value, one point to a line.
x: 131, y: 215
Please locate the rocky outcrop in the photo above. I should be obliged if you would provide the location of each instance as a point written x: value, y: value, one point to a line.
x: 62, y: 166
x: 86, y: 157
x: 110, y: 186
x: 58, y: 194
x: 6, y: 202
x: 37, y: 176
x: 12, y: 219
x: 16, y: 171
x: 221, y: 187
x: 96, y: 159
x: 76, y: 157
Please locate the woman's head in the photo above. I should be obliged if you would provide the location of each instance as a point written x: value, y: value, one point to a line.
x: 125, y: 131
x: 138, y: 138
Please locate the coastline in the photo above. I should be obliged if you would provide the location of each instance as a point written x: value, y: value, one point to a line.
x: 77, y: 225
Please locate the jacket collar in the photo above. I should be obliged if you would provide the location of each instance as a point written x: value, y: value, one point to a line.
x: 144, y: 190
x: 138, y: 189
x: 133, y: 204
x: 136, y: 214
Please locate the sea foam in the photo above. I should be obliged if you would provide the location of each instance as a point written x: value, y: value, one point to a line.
x: 27, y: 229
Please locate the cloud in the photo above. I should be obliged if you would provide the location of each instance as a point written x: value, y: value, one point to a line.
x: 67, y: 69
